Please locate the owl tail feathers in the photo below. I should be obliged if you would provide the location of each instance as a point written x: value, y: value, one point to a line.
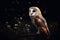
x: 46, y: 31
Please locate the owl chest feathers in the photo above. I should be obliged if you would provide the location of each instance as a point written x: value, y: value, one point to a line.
x: 37, y: 22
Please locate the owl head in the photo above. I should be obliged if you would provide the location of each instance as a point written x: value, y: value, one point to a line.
x: 34, y: 11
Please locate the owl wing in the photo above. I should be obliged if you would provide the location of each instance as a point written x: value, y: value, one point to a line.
x: 42, y: 25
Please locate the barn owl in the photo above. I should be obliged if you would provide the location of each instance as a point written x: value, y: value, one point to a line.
x: 38, y: 20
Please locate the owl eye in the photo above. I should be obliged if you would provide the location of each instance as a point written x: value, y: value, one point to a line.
x: 33, y: 10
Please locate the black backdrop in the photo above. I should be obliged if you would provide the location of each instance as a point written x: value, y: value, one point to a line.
x: 14, y: 8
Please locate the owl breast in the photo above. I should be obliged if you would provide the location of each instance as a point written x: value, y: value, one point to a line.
x: 37, y: 22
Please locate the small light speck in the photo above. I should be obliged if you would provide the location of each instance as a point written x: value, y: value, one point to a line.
x: 19, y: 22
x: 14, y: 17
x: 29, y: 2
x: 15, y: 27
x: 16, y: 24
x: 26, y: 25
x: 8, y: 26
x: 18, y: 18
x: 28, y: 29
x: 37, y: 1
x: 44, y: 12
x: 6, y: 22
x: 21, y: 18
x: 51, y: 25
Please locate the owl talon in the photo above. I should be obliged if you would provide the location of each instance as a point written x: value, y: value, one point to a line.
x: 38, y: 32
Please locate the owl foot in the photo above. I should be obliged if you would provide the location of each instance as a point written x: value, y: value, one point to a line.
x: 38, y: 32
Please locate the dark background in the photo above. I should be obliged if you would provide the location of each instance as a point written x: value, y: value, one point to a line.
x: 19, y: 8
